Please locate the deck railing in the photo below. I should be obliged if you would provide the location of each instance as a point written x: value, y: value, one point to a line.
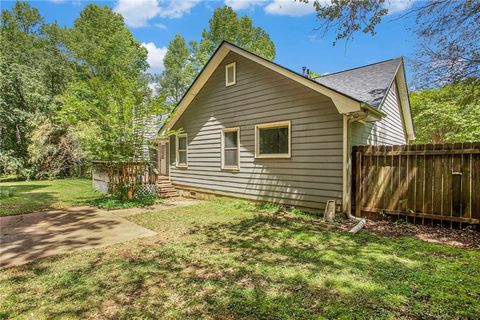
x: 138, y: 177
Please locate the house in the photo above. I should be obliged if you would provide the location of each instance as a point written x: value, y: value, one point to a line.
x: 250, y: 128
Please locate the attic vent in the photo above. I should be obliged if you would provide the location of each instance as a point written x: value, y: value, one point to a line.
x: 230, y: 74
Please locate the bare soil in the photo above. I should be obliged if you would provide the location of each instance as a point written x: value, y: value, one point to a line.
x: 463, y: 238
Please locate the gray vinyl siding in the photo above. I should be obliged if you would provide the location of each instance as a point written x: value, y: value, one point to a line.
x: 388, y: 131
x: 309, y: 178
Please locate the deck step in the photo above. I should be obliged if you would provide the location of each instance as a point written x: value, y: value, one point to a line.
x: 163, y: 183
x: 164, y: 187
x: 168, y: 195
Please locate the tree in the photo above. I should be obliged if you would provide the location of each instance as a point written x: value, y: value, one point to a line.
x: 179, y: 71
x: 448, y: 32
x: 226, y: 25
x: 447, y: 114
x: 104, y: 47
x: 108, y: 101
x: 32, y: 71
x: 183, y: 62
x: 70, y: 94
x: 348, y: 17
x: 55, y: 150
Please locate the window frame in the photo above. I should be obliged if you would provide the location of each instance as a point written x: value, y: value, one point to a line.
x: 278, y: 124
x: 222, y: 148
x: 177, y: 151
x: 232, y: 65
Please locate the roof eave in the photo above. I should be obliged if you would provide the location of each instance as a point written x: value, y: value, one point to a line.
x: 374, y: 112
x: 344, y: 103
x: 405, y: 102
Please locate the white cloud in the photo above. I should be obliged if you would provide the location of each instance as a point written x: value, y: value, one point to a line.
x: 155, y: 57
x: 396, y: 6
x: 177, y: 8
x: 161, y: 26
x: 244, y: 4
x: 137, y: 13
x: 74, y: 2
x: 289, y: 8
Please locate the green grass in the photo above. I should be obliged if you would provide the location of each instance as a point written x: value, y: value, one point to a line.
x: 29, y: 196
x: 220, y: 260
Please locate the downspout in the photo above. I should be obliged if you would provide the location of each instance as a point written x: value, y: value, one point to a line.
x: 347, y: 120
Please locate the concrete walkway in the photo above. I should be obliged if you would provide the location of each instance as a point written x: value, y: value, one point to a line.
x: 27, y: 237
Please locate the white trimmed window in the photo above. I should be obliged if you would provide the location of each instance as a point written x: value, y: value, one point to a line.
x: 273, y: 140
x: 182, y: 150
x: 231, y: 148
x: 230, y: 74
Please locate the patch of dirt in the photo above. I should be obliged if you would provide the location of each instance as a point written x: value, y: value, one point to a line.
x: 463, y: 238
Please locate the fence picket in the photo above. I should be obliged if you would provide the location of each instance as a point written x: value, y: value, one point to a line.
x: 430, y: 182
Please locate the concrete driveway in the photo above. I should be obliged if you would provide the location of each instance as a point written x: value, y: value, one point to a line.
x: 27, y: 237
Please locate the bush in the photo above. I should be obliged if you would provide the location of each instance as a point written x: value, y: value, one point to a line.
x: 116, y: 202
x: 9, y: 164
x: 55, y: 151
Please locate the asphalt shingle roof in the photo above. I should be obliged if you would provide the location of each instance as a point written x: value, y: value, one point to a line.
x: 367, y: 83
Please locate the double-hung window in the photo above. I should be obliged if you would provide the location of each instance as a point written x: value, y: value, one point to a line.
x: 231, y: 148
x: 273, y: 140
x: 182, y: 150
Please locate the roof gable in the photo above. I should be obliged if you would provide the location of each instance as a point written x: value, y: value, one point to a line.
x: 343, y: 102
x: 369, y: 84
x: 351, y: 90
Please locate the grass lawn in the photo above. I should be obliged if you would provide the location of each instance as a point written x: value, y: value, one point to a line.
x: 223, y: 260
x: 29, y: 196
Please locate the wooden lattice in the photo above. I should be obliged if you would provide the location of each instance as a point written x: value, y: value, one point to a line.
x: 145, y: 190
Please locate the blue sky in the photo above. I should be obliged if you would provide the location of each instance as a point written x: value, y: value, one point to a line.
x: 290, y: 24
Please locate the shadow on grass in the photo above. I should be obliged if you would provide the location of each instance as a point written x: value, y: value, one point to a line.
x: 266, y: 267
x: 26, y: 198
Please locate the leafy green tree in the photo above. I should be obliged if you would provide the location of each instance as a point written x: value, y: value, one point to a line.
x: 447, y: 114
x: 104, y: 47
x: 109, y: 99
x: 226, y: 25
x: 183, y: 62
x: 32, y: 71
x: 179, y: 70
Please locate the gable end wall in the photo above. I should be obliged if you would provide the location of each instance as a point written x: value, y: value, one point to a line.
x: 312, y: 176
x: 388, y: 131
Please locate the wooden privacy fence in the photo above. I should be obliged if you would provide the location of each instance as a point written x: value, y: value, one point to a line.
x: 426, y: 182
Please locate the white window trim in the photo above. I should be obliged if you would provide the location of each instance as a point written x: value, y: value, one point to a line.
x: 224, y: 167
x: 234, y: 65
x: 273, y: 125
x: 181, y: 165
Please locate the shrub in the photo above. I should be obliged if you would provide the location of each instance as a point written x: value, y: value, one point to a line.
x: 117, y: 202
